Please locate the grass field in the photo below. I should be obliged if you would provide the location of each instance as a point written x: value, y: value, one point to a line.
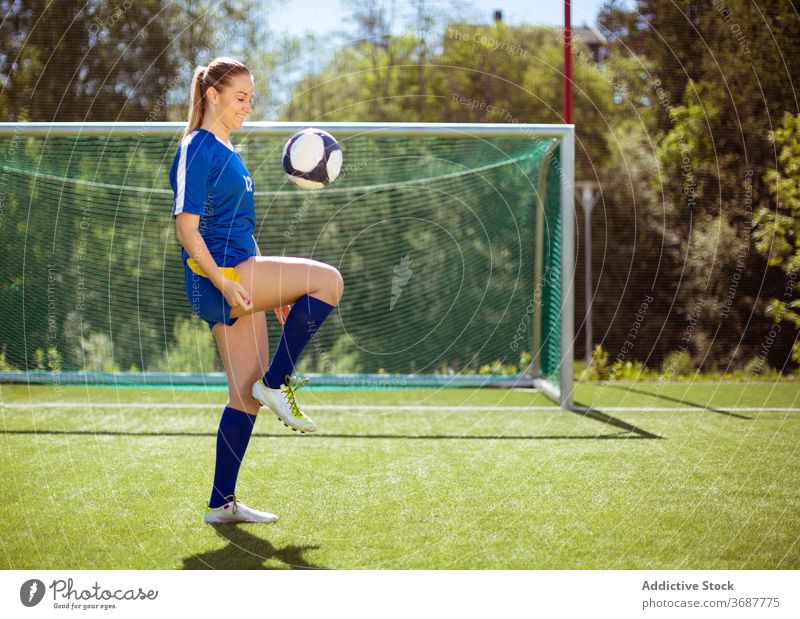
x: 676, y: 476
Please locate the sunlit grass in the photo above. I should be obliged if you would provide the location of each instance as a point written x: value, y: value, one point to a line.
x: 662, y: 476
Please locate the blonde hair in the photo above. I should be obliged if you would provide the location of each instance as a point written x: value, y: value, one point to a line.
x: 218, y: 74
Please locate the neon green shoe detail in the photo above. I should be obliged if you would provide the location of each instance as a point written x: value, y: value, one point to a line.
x: 290, y: 388
x: 283, y: 402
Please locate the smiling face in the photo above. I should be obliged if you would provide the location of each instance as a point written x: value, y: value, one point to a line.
x: 231, y: 105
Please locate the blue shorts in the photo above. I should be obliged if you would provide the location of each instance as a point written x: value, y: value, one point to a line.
x: 206, y: 299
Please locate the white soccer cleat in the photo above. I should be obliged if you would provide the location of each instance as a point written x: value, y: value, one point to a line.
x: 234, y: 511
x: 283, y: 402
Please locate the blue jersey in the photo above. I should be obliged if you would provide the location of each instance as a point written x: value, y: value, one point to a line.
x: 210, y: 179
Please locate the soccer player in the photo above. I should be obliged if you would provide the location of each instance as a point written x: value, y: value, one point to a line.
x: 230, y: 284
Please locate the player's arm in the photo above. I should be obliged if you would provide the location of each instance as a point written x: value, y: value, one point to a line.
x: 191, y: 179
x: 187, y: 229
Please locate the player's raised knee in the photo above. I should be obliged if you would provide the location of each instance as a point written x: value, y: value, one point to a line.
x: 328, y: 284
x: 337, y: 285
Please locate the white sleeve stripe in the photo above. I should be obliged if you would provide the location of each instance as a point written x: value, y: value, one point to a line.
x: 181, y: 180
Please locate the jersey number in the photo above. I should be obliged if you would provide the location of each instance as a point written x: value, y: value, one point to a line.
x: 248, y: 183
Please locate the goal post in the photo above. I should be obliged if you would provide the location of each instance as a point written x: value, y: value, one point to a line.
x: 455, y: 240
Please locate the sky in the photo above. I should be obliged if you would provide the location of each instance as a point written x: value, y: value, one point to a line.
x: 322, y: 16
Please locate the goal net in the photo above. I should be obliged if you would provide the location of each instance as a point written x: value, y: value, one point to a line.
x: 455, y: 242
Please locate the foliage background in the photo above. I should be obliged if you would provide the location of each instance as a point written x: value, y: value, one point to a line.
x: 690, y: 126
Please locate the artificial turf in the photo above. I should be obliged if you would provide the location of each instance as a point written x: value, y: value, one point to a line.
x: 660, y: 476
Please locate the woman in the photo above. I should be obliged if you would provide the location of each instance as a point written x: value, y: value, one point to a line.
x: 230, y: 285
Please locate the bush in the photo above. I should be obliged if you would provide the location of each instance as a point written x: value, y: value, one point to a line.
x: 5, y: 366
x: 631, y: 370
x: 98, y: 353
x: 46, y: 360
x: 54, y: 359
x: 598, y: 368
x: 499, y: 368
x: 38, y: 359
x: 757, y: 366
x: 344, y: 357
x: 677, y: 363
x: 193, y: 348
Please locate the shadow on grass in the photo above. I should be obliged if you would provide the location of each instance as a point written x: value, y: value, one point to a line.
x: 661, y: 396
x: 628, y: 428
x: 596, y: 415
x: 246, y: 551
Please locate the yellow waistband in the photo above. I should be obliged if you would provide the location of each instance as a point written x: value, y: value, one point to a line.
x: 227, y: 272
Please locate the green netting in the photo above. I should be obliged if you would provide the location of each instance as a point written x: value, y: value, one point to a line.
x: 551, y: 278
x: 434, y: 236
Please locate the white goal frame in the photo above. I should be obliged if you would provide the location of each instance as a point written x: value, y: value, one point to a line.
x: 565, y: 135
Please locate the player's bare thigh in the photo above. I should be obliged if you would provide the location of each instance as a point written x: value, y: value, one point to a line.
x: 277, y: 281
x: 244, y: 349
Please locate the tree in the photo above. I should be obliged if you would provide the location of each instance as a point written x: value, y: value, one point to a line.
x: 718, y: 75
x: 503, y: 73
x: 84, y: 61
x: 777, y: 230
x: 101, y: 61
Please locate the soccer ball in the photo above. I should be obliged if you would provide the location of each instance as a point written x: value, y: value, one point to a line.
x: 312, y: 158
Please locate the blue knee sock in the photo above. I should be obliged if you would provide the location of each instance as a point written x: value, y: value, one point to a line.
x: 235, y: 428
x: 307, y: 315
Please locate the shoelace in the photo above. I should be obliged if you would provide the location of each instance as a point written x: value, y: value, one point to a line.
x: 235, y: 508
x: 290, y: 387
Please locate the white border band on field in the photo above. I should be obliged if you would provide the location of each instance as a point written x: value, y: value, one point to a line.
x: 388, y: 408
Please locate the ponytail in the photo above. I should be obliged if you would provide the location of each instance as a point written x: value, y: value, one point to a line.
x: 196, y: 102
x: 216, y: 74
